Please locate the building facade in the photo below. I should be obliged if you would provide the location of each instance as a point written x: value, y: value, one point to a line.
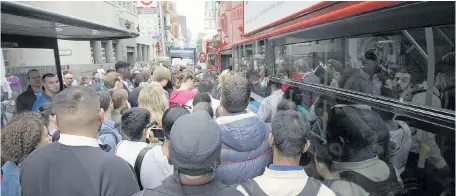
x: 118, y: 14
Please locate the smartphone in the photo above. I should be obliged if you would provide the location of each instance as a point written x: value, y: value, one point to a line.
x: 158, y: 132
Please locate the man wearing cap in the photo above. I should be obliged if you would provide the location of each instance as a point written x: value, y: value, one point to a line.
x: 194, y: 159
x: 123, y: 68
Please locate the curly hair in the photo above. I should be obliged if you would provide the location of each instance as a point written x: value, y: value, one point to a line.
x: 235, y: 94
x: 21, y: 136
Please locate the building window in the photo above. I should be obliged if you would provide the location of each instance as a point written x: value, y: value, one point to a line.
x: 103, y: 51
x: 114, y: 46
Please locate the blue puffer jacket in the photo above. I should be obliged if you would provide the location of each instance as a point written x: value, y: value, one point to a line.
x: 245, y: 150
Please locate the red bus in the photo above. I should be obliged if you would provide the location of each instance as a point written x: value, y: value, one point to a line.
x: 298, y: 39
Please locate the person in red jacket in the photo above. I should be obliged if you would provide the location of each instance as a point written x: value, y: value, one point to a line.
x: 184, y: 94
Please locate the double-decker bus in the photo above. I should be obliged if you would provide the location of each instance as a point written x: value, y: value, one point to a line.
x: 212, y: 55
x: 325, y: 50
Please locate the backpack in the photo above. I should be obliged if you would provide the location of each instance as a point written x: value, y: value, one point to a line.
x: 388, y: 187
x: 311, y: 188
x: 138, y: 164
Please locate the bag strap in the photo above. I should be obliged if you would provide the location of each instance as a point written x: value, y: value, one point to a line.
x: 138, y: 164
x: 311, y: 188
x: 367, y: 184
x: 252, y: 188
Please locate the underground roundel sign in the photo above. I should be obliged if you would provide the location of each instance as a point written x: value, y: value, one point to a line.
x: 147, y: 4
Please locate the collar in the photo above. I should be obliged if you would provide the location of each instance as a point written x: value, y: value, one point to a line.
x: 343, y: 166
x: 277, y: 167
x: 109, y: 123
x: 73, y: 140
x: 49, y: 98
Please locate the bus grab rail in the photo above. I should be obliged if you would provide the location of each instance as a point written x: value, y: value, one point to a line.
x: 435, y: 117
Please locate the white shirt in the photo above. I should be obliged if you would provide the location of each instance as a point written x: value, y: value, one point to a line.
x: 129, y: 150
x: 74, y: 140
x: 214, y: 104
x: 154, y: 168
x: 268, y: 107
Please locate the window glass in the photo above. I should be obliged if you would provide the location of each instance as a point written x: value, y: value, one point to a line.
x: 393, y: 65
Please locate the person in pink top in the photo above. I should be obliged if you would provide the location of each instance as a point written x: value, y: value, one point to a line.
x: 184, y: 94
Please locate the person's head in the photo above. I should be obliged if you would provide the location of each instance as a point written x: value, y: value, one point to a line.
x: 201, y: 97
x: 235, y: 94
x: 85, y: 80
x: 170, y: 116
x: 205, y: 86
x: 141, y: 77
x: 370, y: 62
x: 134, y: 124
x: 34, y: 77
x: 286, y: 104
x: 153, y: 99
x: 445, y: 77
x: 51, y: 83
x: 352, y: 135
x: 205, y: 106
x: 243, y: 70
x: 197, y: 69
x: 196, y: 154
x: 334, y: 67
x: 210, y: 76
x: 290, y: 135
x: 187, y: 81
x: 78, y: 111
x: 161, y: 75
x: 407, y: 77
x: 22, y: 135
x: 47, y: 112
x: 68, y: 78
x: 113, y: 80
x: 254, y: 77
x: 293, y: 94
x: 123, y: 68
x: 110, y: 70
x: 105, y: 101
x: 119, y: 98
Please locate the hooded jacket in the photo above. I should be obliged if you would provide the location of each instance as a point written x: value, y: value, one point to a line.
x: 245, y: 148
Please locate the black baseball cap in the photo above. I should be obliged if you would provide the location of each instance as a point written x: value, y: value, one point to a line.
x: 195, y: 144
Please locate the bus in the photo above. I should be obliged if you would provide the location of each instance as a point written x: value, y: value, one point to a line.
x: 212, y: 55
x: 186, y: 56
x: 319, y: 47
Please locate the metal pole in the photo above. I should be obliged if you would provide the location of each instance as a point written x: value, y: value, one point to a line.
x: 162, y: 27
x: 418, y: 47
x: 57, y: 62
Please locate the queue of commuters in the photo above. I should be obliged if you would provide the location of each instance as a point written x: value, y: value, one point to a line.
x: 133, y: 134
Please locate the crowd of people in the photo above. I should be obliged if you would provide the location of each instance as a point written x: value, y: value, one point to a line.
x: 162, y: 130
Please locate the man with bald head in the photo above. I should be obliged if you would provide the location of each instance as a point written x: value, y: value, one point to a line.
x: 68, y: 80
x: 76, y: 165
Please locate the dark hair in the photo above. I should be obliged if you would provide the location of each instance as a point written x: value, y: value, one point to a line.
x: 105, y: 100
x: 253, y: 75
x: 30, y: 71
x: 170, y: 116
x: 134, y: 121
x: 370, y: 55
x: 65, y: 72
x: 205, y: 86
x: 416, y: 73
x: 235, y: 93
x: 201, y: 97
x: 141, y: 77
x: 48, y: 75
x: 121, y: 64
x: 290, y: 132
x: 286, y: 104
x: 205, y: 106
x: 21, y: 136
x: 350, y: 131
x: 77, y: 109
x: 294, y: 94
x: 209, y: 76
x: 46, y: 110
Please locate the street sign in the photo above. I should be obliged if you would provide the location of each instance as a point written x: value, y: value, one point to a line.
x: 147, y: 4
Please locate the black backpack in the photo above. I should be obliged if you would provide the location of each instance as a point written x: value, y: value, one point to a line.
x: 311, y: 188
x: 388, y: 187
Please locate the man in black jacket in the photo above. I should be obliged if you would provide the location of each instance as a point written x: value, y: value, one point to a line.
x: 194, y: 150
x: 26, y: 99
x: 76, y: 165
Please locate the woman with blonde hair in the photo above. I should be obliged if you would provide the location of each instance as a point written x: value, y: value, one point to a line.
x: 152, y: 98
